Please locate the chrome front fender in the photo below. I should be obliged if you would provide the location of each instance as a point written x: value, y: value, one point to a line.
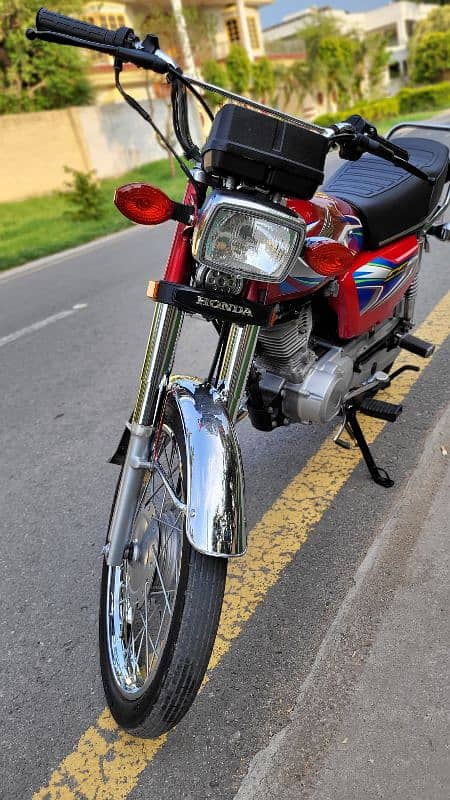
x: 215, y: 518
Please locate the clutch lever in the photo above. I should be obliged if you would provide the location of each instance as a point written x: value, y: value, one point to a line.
x: 391, y: 153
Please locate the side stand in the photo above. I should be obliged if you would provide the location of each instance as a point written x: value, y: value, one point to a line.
x: 378, y: 474
x: 378, y: 409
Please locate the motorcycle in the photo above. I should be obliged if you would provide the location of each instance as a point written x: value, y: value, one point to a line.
x: 312, y: 296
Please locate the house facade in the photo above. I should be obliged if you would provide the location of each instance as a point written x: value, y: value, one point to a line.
x: 234, y: 22
x: 394, y: 22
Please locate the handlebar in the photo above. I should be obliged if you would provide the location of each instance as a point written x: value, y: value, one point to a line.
x: 122, y: 43
x: 58, y: 23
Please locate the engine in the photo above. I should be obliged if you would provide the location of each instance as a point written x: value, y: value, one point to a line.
x: 294, y: 382
x: 284, y: 349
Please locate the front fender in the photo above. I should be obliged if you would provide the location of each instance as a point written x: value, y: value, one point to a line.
x: 214, y: 480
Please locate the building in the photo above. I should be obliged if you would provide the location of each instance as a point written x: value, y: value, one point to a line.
x: 235, y: 22
x: 395, y: 22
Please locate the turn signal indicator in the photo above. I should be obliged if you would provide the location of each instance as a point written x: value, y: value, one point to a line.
x: 144, y: 204
x: 328, y: 257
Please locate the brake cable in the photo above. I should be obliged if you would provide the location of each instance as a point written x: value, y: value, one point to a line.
x: 118, y: 64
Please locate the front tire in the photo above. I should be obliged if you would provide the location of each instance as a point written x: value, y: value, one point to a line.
x: 160, y: 609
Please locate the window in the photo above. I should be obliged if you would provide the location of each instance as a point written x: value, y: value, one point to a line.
x: 112, y: 21
x: 394, y: 71
x: 410, y: 26
x: 388, y: 33
x: 233, y: 30
x: 253, y: 32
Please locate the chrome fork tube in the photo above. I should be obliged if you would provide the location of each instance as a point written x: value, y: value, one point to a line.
x: 158, y: 362
x: 236, y: 362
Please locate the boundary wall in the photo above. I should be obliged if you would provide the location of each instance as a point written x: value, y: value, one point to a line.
x: 110, y: 139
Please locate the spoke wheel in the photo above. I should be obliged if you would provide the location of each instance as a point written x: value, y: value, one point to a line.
x: 142, y: 591
x: 159, y: 610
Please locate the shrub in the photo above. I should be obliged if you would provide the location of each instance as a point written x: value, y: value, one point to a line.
x: 424, y: 98
x: 329, y: 119
x: 378, y: 110
x: 431, y: 60
x: 215, y: 73
x: 239, y: 68
x: 374, y: 111
x: 35, y: 76
x: 263, y: 83
x: 83, y: 195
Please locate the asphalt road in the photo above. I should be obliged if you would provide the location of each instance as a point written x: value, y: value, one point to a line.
x: 67, y: 387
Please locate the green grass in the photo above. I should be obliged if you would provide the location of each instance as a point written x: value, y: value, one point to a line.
x: 383, y: 127
x: 40, y: 226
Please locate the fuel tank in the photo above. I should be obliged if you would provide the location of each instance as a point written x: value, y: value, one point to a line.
x: 363, y: 296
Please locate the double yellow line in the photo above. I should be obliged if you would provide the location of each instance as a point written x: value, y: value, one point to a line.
x: 106, y: 763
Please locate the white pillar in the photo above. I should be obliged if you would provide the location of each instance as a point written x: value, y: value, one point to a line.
x: 183, y: 35
x: 244, y: 28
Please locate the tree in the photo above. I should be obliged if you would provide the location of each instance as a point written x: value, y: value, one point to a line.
x: 215, y: 73
x: 339, y: 66
x: 337, y: 56
x: 239, y: 69
x: 375, y: 59
x: 201, y: 25
x: 38, y: 75
x: 437, y: 21
x: 431, y: 61
x: 263, y: 80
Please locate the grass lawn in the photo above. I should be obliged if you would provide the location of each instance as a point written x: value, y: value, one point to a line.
x: 383, y: 127
x: 40, y: 226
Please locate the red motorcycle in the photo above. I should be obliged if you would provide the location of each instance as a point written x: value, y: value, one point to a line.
x: 312, y: 297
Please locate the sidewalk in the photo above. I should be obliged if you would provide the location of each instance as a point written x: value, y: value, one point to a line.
x: 373, y: 717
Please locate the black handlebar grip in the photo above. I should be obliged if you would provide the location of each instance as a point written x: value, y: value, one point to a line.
x: 58, y: 23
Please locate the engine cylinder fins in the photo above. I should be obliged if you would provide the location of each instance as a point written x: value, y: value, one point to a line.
x: 284, y: 349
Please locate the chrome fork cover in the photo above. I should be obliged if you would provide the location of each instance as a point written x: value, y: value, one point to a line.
x: 215, y: 499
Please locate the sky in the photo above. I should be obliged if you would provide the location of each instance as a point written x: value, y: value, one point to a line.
x: 274, y: 12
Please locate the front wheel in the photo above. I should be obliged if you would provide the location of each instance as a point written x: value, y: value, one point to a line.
x: 160, y: 609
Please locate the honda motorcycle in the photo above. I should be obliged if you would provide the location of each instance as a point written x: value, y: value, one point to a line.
x: 312, y: 297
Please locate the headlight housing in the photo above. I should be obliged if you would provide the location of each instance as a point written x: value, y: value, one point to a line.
x: 241, y: 236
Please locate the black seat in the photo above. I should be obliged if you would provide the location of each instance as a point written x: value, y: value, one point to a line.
x: 390, y: 201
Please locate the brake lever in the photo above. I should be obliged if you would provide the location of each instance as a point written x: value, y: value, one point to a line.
x: 385, y: 151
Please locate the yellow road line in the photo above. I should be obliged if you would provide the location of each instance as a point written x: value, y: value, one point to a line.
x: 106, y: 763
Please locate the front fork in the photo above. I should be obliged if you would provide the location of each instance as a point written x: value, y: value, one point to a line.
x: 158, y: 363
x: 159, y: 356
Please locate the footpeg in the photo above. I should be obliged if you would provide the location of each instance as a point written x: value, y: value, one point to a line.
x: 380, y: 409
x: 441, y: 232
x: 417, y: 346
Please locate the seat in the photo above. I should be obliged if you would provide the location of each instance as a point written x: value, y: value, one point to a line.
x: 390, y: 201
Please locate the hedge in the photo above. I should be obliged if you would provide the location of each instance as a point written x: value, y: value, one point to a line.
x: 423, y: 98
x: 420, y: 98
x: 374, y: 111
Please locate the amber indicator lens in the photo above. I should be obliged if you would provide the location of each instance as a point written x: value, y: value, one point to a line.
x: 143, y: 203
x: 328, y: 258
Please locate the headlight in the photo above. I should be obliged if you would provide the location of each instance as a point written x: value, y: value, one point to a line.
x: 241, y: 236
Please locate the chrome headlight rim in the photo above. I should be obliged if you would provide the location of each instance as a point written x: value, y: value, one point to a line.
x: 220, y: 200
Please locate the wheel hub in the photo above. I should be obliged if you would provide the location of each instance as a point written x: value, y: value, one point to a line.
x: 142, y: 555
